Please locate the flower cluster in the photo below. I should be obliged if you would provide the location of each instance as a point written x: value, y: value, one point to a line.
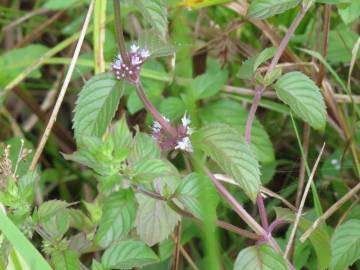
x: 130, y: 71
x: 182, y: 140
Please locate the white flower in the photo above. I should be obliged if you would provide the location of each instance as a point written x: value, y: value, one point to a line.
x: 185, y: 120
x: 156, y: 127
x: 189, y: 131
x: 134, y: 48
x: 135, y: 60
x: 185, y: 145
x: 144, y: 53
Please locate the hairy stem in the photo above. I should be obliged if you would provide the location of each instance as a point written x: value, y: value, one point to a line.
x: 119, y: 32
x: 153, y: 111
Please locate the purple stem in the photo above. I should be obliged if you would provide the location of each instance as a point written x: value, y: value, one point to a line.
x: 262, y: 211
x: 153, y: 111
x: 249, y: 220
x: 257, y: 97
x: 276, y: 223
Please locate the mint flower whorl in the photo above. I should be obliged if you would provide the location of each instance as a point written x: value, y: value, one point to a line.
x: 131, y: 71
x: 181, y: 142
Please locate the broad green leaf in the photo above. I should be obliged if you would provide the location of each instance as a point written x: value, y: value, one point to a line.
x: 155, y: 220
x: 66, y: 260
x: 172, y: 107
x: 96, y: 265
x: 303, y: 97
x: 334, y: 2
x: 319, y: 239
x: 227, y: 147
x: 60, y: 4
x: 262, y: 9
x: 189, y: 193
x: 350, y: 13
x: 157, y: 46
x: 120, y: 134
x: 79, y: 220
x: 96, y: 105
x: 27, y: 186
x: 345, y: 245
x: 155, y: 13
x: 144, y: 147
x: 48, y: 209
x: 232, y: 113
x: 264, y: 56
x: 28, y: 252
x: 58, y: 224
x: 148, y: 169
x: 261, y: 257
x: 208, y: 84
x: 13, y: 62
x: 128, y: 254
x: 118, y: 217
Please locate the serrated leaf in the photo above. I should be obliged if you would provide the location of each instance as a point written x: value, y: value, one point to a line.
x: 319, y: 239
x: 144, y: 147
x: 265, y: 55
x: 118, y: 217
x: 208, y: 84
x: 262, y: 9
x: 120, y: 134
x: 48, y: 209
x: 58, y: 224
x: 96, y: 105
x: 66, y: 260
x: 128, y: 254
x: 149, y: 169
x: 155, y: 220
x: 261, y: 257
x: 303, y: 97
x: 172, y: 107
x: 155, y: 13
x: 345, y: 245
x: 189, y: 193
x: 232, y: 113
x: 227, y: 147
x: 157, y: 46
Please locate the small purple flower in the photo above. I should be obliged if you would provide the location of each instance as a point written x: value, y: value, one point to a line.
x: 131, y: 71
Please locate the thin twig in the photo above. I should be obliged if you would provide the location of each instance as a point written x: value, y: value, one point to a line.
x: 306, y: 140
x: 64, y: 87
x: 330, y: 211
x: 302, y: 203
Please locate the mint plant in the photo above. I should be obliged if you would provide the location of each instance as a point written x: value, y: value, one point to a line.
x: 168, y: 168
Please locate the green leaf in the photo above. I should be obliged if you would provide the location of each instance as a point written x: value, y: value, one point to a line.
x: 264, y: 56
x: 172, y: 107
x: 66, y: 260
x: 351, y: 13
x: 319, y: 239
x: 208, y: 84
x: 155, y: 13
x: 48, y: 209
x: 14, y: 62
x: 96, y: 265
x: 58, y: 224
x: 345, y: 245
x: 128, y: 254
x: 303, y: 97
x: 158, y: 47
x: 28, y: 252
x: 155, y: 220
x: 262, y: 9
x: 232, y: 113
x: 189, y: 194
x: 262, y: 257
x: 120, y: 134
x: 27, y: 186
x: 202, y: 3
x: 118, y: 217
x: 96, y: 105
x: 227, y: 147
x: 149, y: 169
x: 144, y: 147
x: 60, y: 4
